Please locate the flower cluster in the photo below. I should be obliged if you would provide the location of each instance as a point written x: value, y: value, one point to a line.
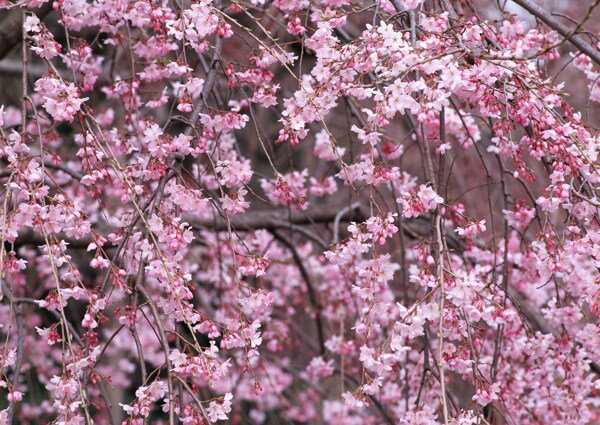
x: 329, y: 212
x: 60, y: 99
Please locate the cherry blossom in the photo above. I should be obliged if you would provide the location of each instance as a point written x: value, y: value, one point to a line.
x: 323, y: 212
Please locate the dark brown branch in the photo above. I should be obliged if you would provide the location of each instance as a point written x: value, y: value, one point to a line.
x: 546, y: 17
x: 208, y: 86
x: 271, y: 219
x: 11, y: 27
x: 309, y: 286
x: 29, y: 237
x: 268, y: 219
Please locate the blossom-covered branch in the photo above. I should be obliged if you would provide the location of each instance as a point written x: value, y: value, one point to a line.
x: 326, y: 212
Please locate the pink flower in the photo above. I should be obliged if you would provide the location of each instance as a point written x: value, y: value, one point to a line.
x: 319, y: 368
x: 486, y: 396
x: 15, y: 396
x: 353, y: 401
x: 410, y: 4
x: 471, y: 229
x: 235, y: 204
x: 425, y: 199
x: 234, y: 173
x: 61, y: 100
x: 218, y: 410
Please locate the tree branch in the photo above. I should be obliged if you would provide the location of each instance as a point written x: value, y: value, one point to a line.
x: 11, y: 27
x: 271, y: 219
x: 575, y: 39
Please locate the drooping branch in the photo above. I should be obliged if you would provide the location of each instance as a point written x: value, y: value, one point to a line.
x: 310, y: 287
